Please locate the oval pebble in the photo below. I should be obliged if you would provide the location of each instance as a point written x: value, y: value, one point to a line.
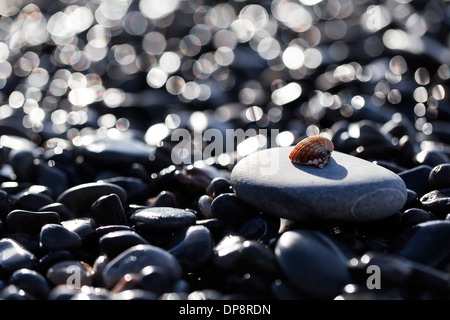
x: 30, y: 221
x: 32, y: 282
x: 72, y: 273
x: 108, y: 210
x: 13, y: 257
x: 55, y: 237
x: 138, y: 257
x: 80, y: 198
x: 439, y: 177
x: 229, y: 208
x: 416, y: 179
x: 154, y: 279
x: 437, y: 201
x: 162, y: 219
x: 313, y: 263
x: 425, y: 242
x: 195, y: 248
x: 347, y: 188
x: 113, y: 243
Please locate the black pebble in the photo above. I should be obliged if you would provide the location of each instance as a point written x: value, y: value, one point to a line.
x: 108, y: 209
x: 113, y: 243
x: 231, y: 209
x: 55, y: 237
x: 439, y: 177
x: 29, y: 221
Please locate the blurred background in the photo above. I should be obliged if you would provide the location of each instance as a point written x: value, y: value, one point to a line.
x: 72, y: 70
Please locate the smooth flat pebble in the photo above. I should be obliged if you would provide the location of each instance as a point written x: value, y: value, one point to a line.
x: 347, y: 188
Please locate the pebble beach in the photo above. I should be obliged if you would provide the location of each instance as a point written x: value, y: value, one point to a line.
x: 145, y: 150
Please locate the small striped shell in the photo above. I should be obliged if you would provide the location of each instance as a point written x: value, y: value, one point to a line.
x: 315, y: 150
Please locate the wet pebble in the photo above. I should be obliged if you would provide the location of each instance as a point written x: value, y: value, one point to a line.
x: 416, y: 179
x: 30, y: 221
x: 413, y: 216
x: 73, y: 273
x: 55, y: 237
x: 154, y: 279
x: 108, y: 209
x: 135, y: 259
x: 195, y: 247
x: 13, y: 257
x: 218, y: 186
x: 32, y: 282
x: 162, y: 219
x: 229, y: 208
x: 424, y: 242
x: 439, y: 177
x: 115, y: 242
x: 437, y: 201
x: 313, y: 263
x: 80, y: 198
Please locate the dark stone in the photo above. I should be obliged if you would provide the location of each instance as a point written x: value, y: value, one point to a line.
x: 162, y: 219
x: 138, y: 257
x: 32, y: 201
x: 80, y: 198
x: 13, y: 257
x: 313, y: 263
x: 32, y: 282
x: 218, y: 186
x: 72, y: 273
x: 425, y: 242
x: 204, y: 206
x: 229, y: 208
x: 195, y: 248
x: 59, y: 208
x: 114, y: 243
x: 154, y: 279
x: 261, y: 227
x: 234, y: 252
x: 437, y: 201
x: 53, y: 178
x: 102, y: 230
x: 414, y: 216
x: 12, y: 292
x: 84, y: 227
x: 22, y: 162
x: 416, y: 179
x: 55, y: 237
x: 163, y: 199
x: 137, y: 190
x: 439, y: 177
x: 108, y: 210
x: 29, y: 221
x: 51, y: 258
x: 5, y: 205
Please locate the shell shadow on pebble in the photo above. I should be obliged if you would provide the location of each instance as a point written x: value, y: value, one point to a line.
x: 332, y: 170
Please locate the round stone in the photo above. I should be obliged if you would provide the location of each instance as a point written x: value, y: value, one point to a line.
x: 313, y: 263
x: 134, y: 259
x: 347, y: 188
x: 439, y: 177
x: 55, y: 237
x: 162, y: 219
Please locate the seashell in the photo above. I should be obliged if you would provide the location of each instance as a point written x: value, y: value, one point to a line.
x: 315, y: 150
